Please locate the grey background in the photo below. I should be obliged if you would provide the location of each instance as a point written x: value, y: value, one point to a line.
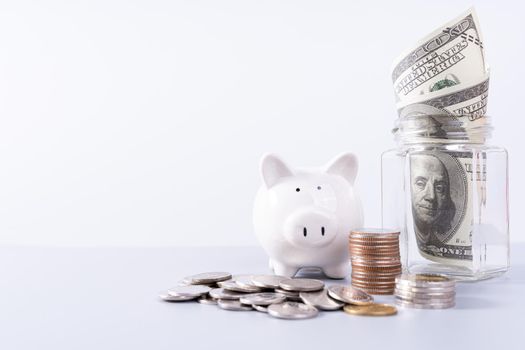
x: 142, y: 122
x: 106, y: 298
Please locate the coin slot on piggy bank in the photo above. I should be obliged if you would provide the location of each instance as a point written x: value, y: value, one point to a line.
x: 302, y: 218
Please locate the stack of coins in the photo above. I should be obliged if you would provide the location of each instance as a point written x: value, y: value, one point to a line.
x: 375, y: 260
x: 425, y: 291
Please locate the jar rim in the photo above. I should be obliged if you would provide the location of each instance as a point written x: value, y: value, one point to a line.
x: 447, y: 129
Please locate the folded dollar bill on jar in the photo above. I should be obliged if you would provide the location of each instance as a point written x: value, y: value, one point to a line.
x: 445, y: 73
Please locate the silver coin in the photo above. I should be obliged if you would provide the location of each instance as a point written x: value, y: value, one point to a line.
x: 425, y: 293
x: 221, y: 283
x: 241, y: 276
x: 301, y: 284
x: 267, y: 281
x: 425, y: 281
x: 425, y: 290
x: 434, y: 295
x: 260, y: 308
x: 245, y: 281
x: 209, y: 277
x: 244, y: 284
x: 233, y: 305
x: 423, y: 300
x: 188, y: 291
x: 433, y: 289
x: 206, y: 300
x: 184, y: 282
x: 426, y: 300
x: 263, y: 299
x: 292, y: 310
x: 321, y: 300
x: 221, y: 293
x: 233, y: 286
x: 291, y: 296
x: 187, y: 282
x: 425, y: 306
x: 167, y: 297
x: 350, y: 295
x: 288, y: 293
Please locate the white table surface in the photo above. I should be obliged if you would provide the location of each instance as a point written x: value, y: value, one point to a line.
x: 106, y: 298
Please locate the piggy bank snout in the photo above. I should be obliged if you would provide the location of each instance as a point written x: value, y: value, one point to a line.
x: 310, y: 227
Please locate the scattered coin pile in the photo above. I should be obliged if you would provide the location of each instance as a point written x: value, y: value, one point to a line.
x: 278, y: 296
x: 425, y: 291
x: 375, y: 258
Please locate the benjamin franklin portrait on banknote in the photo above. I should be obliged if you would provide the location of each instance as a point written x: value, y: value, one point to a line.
x: 438, y: 188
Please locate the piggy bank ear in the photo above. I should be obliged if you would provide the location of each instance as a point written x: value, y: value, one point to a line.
x: 344, y: 165
x: 272, y: 169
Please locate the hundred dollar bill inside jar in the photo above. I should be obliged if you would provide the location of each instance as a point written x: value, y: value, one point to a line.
x: 441, y: 185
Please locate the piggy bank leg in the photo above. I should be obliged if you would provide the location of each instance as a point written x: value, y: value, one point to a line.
x: 338, y: 271
x: 282, y: 269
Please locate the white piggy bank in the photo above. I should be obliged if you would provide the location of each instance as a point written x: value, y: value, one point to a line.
x: 303, y: 218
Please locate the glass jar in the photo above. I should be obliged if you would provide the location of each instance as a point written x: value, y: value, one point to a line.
x: 446, y: 190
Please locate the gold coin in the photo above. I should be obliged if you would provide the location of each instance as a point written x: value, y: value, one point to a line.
x: 380, y: 288
x: 363, y: 280
x: 366, y: 256
x: 363, y: 246
x: 371, y: 285
x: 374, y: 290
x: 391, y: 263
x: 378, y: 292
x: 372, y: 253
x: 370, y: 245
x: 358, y: 265
x: 385, y: 273
x: 374, y: 257
x: 372, y: 273
x: 371, y: 279
x: 371, y: 310
x: 367, y: 273
x: 353, y: 245
x: 367, y: 243
x: 373, y: 240
x: 377, y: 269
x: 362, y: 262
x: 373, y: 248
x: 375, y: 231
x: 354, y: 256
x: 372, y: 236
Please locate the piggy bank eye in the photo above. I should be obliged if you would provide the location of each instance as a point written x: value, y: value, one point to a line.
x: 318, y: 187
x: 297, y: 189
